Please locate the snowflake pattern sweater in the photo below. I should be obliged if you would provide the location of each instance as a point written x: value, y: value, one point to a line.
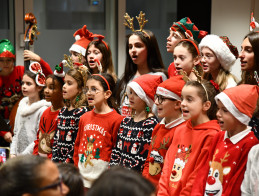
x: 65, y: 136
x: 45, y: 136
x: 26, y: 125
x: 96, y: 137
x: 187, y: 154
x: 226, y: 165
x: 162, y: 137
x: 133, y: 143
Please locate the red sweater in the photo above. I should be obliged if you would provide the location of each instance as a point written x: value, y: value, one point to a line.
x: 162, y: 137
x: 226, y: 163
x: 188, y: 152
x: 45, y: 135
x: 171, y: 70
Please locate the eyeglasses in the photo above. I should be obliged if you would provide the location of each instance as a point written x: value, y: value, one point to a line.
x: 51, y: 186
x: 91, y: 91
x: 161, y: 99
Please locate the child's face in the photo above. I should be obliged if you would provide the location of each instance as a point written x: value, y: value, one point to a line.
x: 29, y: 87
x: 135, y: 102
x: 225, y: 119
x: 137, y: 50
x: 192, y: 104
x: 75, y: 56
x: 7, y: 66
x: 92, y: 54
x: 172, y: 40
x: 70, y: 88
x: 53, y: 90
x: 167, y: 107
x: 210, y: 62
x: 246, y: 56
x: 96, y: 95
x: 183, y: 60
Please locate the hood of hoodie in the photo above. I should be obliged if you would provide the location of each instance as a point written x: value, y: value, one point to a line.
x: 29, y: 109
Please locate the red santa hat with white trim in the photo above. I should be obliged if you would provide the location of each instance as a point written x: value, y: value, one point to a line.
x: 83, y: 37
x: 145, y: 87
x: 171, y: 88
x: 240, y: 101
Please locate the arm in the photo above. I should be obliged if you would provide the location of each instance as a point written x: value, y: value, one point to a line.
x: 77, y: 143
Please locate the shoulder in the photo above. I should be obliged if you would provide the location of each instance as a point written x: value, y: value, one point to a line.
x: 150, y: 121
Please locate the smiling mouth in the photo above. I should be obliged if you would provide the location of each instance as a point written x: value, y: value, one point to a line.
x: 211, y: 193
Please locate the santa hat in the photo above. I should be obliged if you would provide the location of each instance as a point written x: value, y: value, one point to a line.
x: 171, y: 88
x: 240, y: 101
x: 145, y: 87
x: 83, y: 37
x: 59, y: 70
x: 6, y: 49
x: 189, y: 29
x: 222, y: 48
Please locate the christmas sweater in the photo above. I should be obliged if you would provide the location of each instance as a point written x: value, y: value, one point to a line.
x: 45, y: 136
x: 224, y: 171
x: 162, y: 137
x: 96, y: 137
x: 65, y: 136
x: 26, y: 125
x: 132, y: 143
x: 187, y: 153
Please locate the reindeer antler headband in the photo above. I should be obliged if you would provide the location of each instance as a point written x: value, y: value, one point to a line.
x: 128, y: 22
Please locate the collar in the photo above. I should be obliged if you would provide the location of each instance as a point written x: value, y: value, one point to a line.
x: 172, y: 124
x: 236, y: 138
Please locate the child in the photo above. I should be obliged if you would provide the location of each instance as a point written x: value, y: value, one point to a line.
x: 218, y: 56
x: 183, y: 29
x: 97, y: 128
x: 29, y: 111
x: 99, y: 57
x: 225, y: 168
x: 168, y: 102
x: 143, y: 57
x: 69, y: 116
x: 186, y: 57
x: 191, y: 141
x: 135, y: 132
x: 48, y: 122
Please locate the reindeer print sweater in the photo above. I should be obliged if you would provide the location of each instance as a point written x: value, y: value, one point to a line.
x: 226, y: 165
x: 162, y: 137
x: 187, y: 153
x: 65, y: 136
x: 95, y: 139
x: 45, y: 136
x: 132, y: 143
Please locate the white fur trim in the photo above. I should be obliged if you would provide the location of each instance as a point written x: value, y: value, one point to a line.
x: 226, y: 101
x: 62, y: 75
x: 220, y: 49
x: 78, y: 49
x: 166, y: 93
x: 77, y: 37
x: 141, y: 93
x: 179, y: 162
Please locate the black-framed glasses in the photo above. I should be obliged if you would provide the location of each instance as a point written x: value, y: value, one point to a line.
x: 51, y: 186
x: 161, y: 98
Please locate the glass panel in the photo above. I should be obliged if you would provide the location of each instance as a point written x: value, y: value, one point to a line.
x: 160, y: 15
x: 6, y: 24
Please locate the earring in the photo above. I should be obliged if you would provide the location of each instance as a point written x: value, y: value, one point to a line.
x: 147, y: 109
x: 77, y: 98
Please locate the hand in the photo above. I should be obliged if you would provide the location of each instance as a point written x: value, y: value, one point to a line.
x: 30, y: 56
x: 12, y: 156
x: 8, y: 137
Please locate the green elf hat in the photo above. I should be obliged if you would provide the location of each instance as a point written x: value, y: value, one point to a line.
x: 189, y: 29
x: 6, y: 49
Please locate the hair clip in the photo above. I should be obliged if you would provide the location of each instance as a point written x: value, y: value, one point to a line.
x: 128, y: 22
x: 59, y: 70
x: 256, y: 77
x: 253, y: 23
x: 216, y: 86
x: 40, y: 77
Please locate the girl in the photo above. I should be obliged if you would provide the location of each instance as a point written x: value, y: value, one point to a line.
x: 29, y: 111
x: 97, y: 128
x: 191, y: 141
x: 48, y: 121
x: 218, y: 56
x: 143, y: 57
x: 183, y: 29
x: 186, y: 57
x: 68, y: 117
x: 98, y: 54
x: 135, y: 132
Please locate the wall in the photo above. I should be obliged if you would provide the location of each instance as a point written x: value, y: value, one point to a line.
x: 232, y: 18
